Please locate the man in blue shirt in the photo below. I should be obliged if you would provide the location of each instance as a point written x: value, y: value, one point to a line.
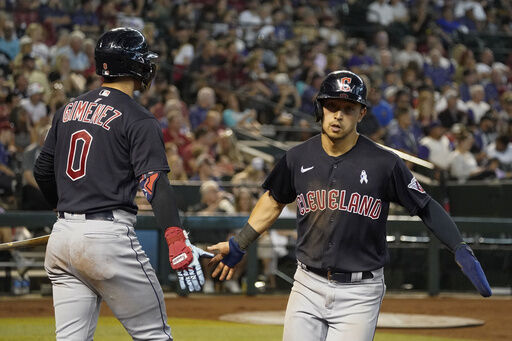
x: 10, y: 43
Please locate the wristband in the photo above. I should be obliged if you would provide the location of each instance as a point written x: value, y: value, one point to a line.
x: 246, y: 236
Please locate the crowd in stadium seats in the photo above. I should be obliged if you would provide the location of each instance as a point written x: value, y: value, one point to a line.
x: 438, y: 73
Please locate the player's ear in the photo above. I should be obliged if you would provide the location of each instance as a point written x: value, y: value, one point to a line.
x: 362, y: 113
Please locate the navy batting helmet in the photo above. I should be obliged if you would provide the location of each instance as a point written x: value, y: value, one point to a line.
x: 340, y: 85
x: 122, y: 52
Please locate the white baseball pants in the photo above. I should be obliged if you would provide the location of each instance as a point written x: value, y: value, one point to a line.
x: 323, y: 310
x: 89, y: 261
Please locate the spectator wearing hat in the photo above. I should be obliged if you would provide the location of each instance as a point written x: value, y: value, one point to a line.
x: 34, y: 104
x: 436, y: 147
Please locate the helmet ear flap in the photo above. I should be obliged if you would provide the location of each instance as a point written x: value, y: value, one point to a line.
x: 319, y: 110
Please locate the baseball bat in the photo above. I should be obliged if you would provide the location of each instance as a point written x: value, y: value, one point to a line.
x: 25, y: 243
x: 409, y: 157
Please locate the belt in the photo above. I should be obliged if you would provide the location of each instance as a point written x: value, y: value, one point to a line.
x: 341, y: 277
x: 103, y: 215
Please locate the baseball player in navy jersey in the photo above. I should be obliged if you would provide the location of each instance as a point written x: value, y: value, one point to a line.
x: 343, y: 184
x: 100, y: 148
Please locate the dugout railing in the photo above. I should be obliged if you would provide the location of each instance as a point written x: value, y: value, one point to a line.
x: 402, y: 232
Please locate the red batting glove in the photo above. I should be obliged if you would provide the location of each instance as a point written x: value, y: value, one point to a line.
x: 180, y: 255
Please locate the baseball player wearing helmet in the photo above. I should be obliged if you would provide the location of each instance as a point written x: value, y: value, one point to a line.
x: 343, y: 184
x: 100, y: 148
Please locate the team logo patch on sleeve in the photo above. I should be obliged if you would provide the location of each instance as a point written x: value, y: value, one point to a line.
x: 147, y: 184
x: 414, y: 184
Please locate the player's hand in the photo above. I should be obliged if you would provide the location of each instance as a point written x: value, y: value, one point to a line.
x: 192, y: 277
x: 229, y: 255
x: 184, y: 258
x: 471, y: 267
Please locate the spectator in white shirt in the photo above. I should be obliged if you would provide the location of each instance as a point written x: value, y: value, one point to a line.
x: 477, y: 105
x: 400, y: 12
x: 435, y: 147
x: 380, y: 12
x: 34, y: 104
x: 463, y: 165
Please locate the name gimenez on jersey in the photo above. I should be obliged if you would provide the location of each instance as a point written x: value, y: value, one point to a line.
x: 90, y: 112
x: 338, y: 200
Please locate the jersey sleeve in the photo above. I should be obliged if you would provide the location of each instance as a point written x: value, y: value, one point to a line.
x: 147, y: 151
x: 405, y: 190
x: 279, y: 183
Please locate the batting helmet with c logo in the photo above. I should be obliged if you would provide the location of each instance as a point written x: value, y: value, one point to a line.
x: 340, y: 85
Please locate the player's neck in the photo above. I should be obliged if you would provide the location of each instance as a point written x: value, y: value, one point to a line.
x: 125, y: 85
x: 337, y: 147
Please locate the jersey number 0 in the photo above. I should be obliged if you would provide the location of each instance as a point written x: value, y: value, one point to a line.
x: 82, y: 150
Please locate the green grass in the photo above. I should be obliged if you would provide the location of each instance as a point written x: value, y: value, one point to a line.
x: 109, y: 329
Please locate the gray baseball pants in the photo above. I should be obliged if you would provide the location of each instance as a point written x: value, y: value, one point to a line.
x: 89, y: 261
x: 323, y: 310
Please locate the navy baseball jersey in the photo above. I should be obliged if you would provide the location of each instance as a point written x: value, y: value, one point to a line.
x: 343, y: 202
x: 102, y: 142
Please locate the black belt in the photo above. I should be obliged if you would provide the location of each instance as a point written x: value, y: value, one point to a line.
x: 103, y: 215
x: 341, y: 277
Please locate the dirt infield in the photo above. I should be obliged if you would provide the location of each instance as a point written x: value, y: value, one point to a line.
x: 495, y: 311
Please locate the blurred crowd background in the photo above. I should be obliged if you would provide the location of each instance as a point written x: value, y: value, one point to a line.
x: 438, y: 76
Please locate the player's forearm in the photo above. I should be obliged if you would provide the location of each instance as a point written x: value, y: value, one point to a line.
x: 441, y: 224
x: 45, y: 178
x: 262, y: 217
x: 265, y: 213
x: 160, y: 194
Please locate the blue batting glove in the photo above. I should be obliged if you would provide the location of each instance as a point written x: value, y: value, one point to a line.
x: 192, y: 277
x: 235, y: 254
x: 471, y: 267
